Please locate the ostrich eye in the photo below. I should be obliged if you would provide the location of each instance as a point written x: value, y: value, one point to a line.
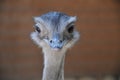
x: 37, y: 29
x: 70, y: 29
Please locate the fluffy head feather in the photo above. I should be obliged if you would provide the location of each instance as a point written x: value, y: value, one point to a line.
x: 55, y: 31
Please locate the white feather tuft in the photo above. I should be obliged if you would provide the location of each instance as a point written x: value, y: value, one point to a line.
x: 72, y: 19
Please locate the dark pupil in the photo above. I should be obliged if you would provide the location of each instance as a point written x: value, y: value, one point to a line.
x: 38, y: 29
x: 70, y: 29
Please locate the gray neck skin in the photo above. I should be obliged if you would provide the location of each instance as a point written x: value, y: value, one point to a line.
x: 53, y: 66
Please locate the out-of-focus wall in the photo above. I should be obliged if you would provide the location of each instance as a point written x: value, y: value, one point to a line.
x: 96, y: 53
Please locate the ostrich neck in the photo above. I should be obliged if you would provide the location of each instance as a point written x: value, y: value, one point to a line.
x: 53, y: 65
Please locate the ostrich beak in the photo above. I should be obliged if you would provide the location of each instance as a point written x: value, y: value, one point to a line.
x: 56, y: 42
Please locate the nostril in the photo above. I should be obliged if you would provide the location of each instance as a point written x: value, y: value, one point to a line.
x: 51, y: 41
x: 60, y: 41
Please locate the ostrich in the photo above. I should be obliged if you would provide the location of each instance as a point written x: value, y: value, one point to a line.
x: 54, y: 33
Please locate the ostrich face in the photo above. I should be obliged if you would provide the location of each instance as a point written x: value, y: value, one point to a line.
x: 55, y: 30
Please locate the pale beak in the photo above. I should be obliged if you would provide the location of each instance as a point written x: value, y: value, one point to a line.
x: 56, y: 42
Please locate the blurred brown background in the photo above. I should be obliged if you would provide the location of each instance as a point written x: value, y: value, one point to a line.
x: 96, y: 54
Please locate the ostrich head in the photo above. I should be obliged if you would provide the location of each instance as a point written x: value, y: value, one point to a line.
x: 55, y: 31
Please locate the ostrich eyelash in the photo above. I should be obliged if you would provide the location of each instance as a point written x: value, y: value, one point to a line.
x: 37, y: 29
